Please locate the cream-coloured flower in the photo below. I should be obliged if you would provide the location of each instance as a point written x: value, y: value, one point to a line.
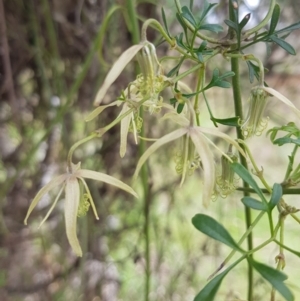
x: 143, y: 91
x: 70, y: 183
x: 195, y: 143
x: 254, y: 124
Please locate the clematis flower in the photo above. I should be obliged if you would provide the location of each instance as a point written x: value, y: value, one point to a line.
x: 227, y: 181
x: 70, y: 183
x: 254, y: 124
x: 144, y: 91
x: 195, y: 149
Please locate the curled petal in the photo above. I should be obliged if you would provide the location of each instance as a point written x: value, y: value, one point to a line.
x: 53, y: 183
x: 100, y: 109
x: 282, y: 98
x: 116, y: 70
x: 98, y: 176
x: 227, y: 138
x: 71, y: 209
x: 207, y: 160
x: 156, y: 145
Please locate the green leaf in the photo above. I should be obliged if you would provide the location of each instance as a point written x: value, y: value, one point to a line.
x: 165, y: 21
x: 289, y: 249
x: 183, y: 25
x: 283, y: 44
x: 174, y: 70
x: 253, y: 71
x: 213, y: 229
x: 276, y: 196
x: 179, y: 40
x: 289, y: 28
x: 244, y: 21
x: 243, y: 173
x: 285, y: 140
x: 211, y: 27
x: 275, y: 278
x: 206, y: 8
x: 274, y: 19
x: 180, y: 108
x: 217, y: 81
x: 211, y: 288
x: 233, y: 121
x: 254, y: 204
x: 232, y: 25
x: 187, y: 14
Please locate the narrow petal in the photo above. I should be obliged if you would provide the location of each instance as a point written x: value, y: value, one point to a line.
x: 98, y: 176
x: 52, y: 207
x: 207, y: 161
x: 71, y: 209
x: 180, y: 119
x: 125, y: 123
x: 53, y: 183
x: 156, y: 145
x: 282, y: 98
x: 100, y: 109
x: 116, y: 70
x: 215, y: 132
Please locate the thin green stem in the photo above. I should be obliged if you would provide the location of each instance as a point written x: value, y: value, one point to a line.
x: 144, y: 172
x: 239, y: 112
x: 77, y: 144
x: 245, y: 235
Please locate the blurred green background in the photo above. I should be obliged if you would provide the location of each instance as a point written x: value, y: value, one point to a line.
x: 50, y: 69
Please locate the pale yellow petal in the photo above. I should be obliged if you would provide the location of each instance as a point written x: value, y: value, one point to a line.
x: 215, y: 132
x: 282, y: 98
x: 52, y: 207
x: 98, y: 176
x: 100, y: 109
x: 53, y: 183
x: 208, y: 164
x: 116, y: 70
x: 71, y: 209
x: 125, y: 123
x: 156, y: 145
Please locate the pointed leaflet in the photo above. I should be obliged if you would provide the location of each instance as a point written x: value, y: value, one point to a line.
x: 208, y: 293
x: 116, y: 70
x: 274, y: 19
x: 254, y: 204
x: 241, y: 171
x: 213, y: 229
x: 275, y: 278
x: 71, y: 209
x: 283, y: 44
x: 276, y: 196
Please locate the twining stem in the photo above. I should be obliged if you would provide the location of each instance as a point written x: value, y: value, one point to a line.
x: 77, y: 144
x: 144, y: 171
x: 239, y: 112
x: 264, y: 22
